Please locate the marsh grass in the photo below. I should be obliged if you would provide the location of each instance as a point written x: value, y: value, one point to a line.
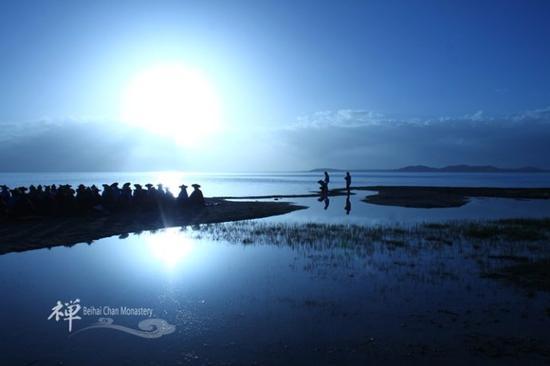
x: 479, y: 233
x: 492, y: 245
x: 532, y: 275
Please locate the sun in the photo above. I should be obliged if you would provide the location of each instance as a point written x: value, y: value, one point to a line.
x: 172, y: 100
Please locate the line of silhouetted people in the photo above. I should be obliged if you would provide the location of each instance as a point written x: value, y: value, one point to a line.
x: 63, y: 200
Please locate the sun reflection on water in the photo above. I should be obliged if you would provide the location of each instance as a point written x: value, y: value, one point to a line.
x: 170, y: 247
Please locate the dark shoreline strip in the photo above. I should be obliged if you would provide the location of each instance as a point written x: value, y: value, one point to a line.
x: 445, y: 197
x: 37, y: 233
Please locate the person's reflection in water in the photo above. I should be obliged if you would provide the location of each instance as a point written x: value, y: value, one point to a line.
x: 327, y: 202
x: 347, y: 207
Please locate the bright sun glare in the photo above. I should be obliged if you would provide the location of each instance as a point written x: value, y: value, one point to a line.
x: 170, y: 247
x: 173, y: 101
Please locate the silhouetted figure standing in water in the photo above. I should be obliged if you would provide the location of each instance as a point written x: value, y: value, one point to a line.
x: 347, y: 207
x: 196, y: 198
x: 347, y: 178
x: 323, y: 188
x: 327, y: 178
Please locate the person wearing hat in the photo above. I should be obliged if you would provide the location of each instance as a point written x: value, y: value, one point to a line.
x: 107, y: 197
x: 160, y: 189
x: 95, y: 196
x: 139, y: 196
x: 196, y: 198
x: 183, y: 197
x: 21, y: 205
x: 115, y: 191
x: 169, y: 197
x: 127, y: 191
x: 150, y: 196
x: 125, y: 195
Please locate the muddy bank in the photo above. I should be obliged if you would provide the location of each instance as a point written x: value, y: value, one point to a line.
x: 38, y: 232
x: 442, y: 197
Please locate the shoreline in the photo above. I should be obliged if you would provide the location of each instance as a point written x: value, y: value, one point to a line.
x: 47, y: 232
x: 421, y: 196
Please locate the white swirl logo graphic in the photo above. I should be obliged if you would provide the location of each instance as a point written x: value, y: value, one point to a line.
x: 148, y: 328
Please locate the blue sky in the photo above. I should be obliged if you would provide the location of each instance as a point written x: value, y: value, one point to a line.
x: 277, y: 64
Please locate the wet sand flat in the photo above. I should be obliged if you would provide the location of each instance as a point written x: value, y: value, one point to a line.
x: 442, y: 197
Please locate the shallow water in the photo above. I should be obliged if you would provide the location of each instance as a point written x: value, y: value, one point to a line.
x: 369, y: 214
x: 258, y: 303
x: 235, y: 303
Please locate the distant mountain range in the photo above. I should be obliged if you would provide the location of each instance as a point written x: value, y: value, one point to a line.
x: 447, y: 169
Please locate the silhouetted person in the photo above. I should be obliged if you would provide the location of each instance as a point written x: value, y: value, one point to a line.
x: 160, y: 191
x: 19, y: 204
x: 347, y: 178
x: 116, y: 192
x: 183, y: 197
x: 327, y: 178
x: 347, y: 207
x: 323, y: 188
x: 196, y: 198
x: 139, y: 197
x: 150, y: 196
x: 126, y: 195
x: 107, y: 197
x: 95, y: 196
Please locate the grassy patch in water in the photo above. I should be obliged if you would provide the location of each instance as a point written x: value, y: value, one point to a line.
x: 513, y: 230
x: 533, y: 275
x: 494, y: 245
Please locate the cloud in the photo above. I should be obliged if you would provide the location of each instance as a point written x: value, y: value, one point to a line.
x: 71, y: 145
x: 536, y: 115
x: 85, y: 145
x: 340, y: 118
x: 354, y: 118
x: 360, y: 139
x: 344, y: 138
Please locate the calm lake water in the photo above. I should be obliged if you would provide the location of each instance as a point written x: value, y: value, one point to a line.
x: 257, y: 303
x: 218, y: 184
